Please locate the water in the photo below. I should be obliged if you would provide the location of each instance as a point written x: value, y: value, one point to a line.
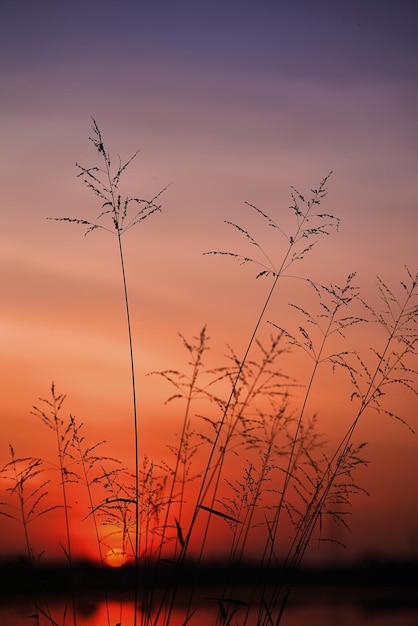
x: 314, y: 613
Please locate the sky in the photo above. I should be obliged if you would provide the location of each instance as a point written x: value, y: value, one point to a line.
x: 229, y: 103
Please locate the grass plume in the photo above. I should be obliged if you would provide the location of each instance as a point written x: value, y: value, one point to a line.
x: 249, y: 461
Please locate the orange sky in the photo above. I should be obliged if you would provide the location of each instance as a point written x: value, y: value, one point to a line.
x: 226, y: 122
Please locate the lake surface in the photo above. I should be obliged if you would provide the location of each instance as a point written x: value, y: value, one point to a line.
x: 314, y: 613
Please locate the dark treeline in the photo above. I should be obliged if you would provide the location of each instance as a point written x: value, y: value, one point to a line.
x: 19, y: 577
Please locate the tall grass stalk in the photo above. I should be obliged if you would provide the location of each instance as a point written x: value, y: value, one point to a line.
x: 86, y: 457
x: 260, y: 382
x: 50, y: 416
x: 104, y: 182
x: 335, y: 317
x: 29, y: 487
x: 390, y: 367
x: 259, y: 378
x: 298, y: 244
x: 188, y: 389
x: 310, y: 224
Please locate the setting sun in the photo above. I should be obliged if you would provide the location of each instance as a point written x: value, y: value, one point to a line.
x: 116, y: 557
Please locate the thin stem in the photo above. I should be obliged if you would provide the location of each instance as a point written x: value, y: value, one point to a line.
x: 135, y: 418
x: 77, y: 443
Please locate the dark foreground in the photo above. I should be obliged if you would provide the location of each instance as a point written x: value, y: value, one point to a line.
x: 374, y: 584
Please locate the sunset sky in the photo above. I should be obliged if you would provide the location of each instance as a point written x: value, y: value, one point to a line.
x: 229, y: 103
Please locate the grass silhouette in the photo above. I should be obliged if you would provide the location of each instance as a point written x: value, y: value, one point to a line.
x: 249, y: 461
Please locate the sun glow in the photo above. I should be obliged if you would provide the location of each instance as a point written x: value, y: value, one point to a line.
x: 116, y: 557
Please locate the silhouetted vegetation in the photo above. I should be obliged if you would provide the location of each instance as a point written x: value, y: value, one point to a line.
x: 242, y: 414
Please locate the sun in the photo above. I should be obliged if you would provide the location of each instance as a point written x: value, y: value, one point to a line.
x: 115, y: 557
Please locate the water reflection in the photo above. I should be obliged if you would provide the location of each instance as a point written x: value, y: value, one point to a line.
x: 91, y: 613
